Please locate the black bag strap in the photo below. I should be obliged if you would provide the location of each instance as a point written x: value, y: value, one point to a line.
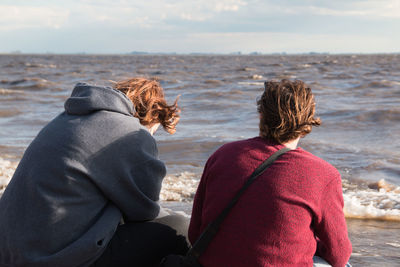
x: 211, y: 230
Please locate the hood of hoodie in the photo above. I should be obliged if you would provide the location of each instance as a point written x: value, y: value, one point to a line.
x: 87, y: 98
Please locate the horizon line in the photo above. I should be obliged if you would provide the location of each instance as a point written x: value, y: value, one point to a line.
x: 238, y: 53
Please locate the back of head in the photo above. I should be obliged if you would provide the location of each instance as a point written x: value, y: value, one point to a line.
x: 150, y: 105
x: 286, y: 111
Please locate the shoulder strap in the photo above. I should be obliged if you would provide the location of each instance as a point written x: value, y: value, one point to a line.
x: 208, y: 234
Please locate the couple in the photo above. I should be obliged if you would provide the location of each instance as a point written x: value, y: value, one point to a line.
x: 85, y: 192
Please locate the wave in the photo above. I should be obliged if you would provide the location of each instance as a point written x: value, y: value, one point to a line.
x: 378, y: 84
x: 38, y: 65
x: 252, y: 83
x: 375, y: 73
x: 9, y: 113
x: 184, y: 151
x: 7, y: 169
x: 323, y: 69
x: 379, y: 116
x: 256, y: 77
x: 380, y: 202
x: 339, y: 76
x: 102, y: 71
x: 247, y: 69
x: 286, y: 76
x: 214, y: 82
x: 28, y: 83
x: 303, y: 66
x: 30, y: 65
x: 4, y: 91
x: 179, y: 187
x: 330, y: 62
x: 275, y: 65
x: 389, y: 115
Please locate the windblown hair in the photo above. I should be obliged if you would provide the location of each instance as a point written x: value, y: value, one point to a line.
x: 286, y: 111
x: 148, y: 99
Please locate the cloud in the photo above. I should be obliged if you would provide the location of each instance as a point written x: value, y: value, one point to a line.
x: 229, y: 5
x: 139, y: 14
x: 199, y: 25
x: 172, y: 14
x: 382, y: 8
x: 19, y: 17
x: 199, y: 10
x: 373, y: 9
x: 193, y: 17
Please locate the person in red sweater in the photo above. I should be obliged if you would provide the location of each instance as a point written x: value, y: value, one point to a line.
x: 293, y: 211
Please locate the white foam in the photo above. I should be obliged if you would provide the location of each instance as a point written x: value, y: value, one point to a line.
x: 257, y: 77
x: 4, y: 91
x: 179, y: 187
x: 7, y: 169
x: 395, y: 244
x: 180, y: 212
x: 358, y: 203
x: 37, y: 65
x: 364, y: 204
x: 390, y: 82
x: 372, y: 204
x: 252, y: 83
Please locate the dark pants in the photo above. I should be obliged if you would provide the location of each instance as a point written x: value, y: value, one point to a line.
x: 144, y: 244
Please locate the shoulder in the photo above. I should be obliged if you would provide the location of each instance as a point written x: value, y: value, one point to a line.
x: 140, y: 140
x: 242, y: 154
x: 122, y: 125
x: 312, y: 164
x: 118, y: 131
x: 240, y: 146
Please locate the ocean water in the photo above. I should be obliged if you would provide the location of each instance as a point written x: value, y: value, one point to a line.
x: 357, y: 96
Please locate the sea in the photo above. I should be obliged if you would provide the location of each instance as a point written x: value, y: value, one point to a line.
x: 357, y: 98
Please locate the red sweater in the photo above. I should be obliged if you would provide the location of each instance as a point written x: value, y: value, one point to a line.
x: 279, y: 220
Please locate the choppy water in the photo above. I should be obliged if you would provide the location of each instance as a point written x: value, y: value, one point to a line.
x: 358, y: 99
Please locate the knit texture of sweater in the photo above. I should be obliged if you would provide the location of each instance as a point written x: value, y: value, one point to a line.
x: 89, y: 167
x: 291, y: 212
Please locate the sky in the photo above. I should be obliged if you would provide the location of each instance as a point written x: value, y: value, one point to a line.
x: 200, y: 26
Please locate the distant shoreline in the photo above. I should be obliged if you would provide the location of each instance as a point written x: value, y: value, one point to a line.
x: 199, y: 54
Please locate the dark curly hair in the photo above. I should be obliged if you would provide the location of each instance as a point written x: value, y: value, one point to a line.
x: 148, y: 99
x: 286, y: 110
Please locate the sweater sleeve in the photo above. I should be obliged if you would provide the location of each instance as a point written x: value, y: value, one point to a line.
x: 195, y: 220
x: 129, y: 174
x: 331, y: 230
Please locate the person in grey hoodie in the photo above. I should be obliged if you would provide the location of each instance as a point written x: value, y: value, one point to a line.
x: 92, y: 167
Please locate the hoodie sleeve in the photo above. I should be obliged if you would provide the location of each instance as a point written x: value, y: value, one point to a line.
x: 129, y: 174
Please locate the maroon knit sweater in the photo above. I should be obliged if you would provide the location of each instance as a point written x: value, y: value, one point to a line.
x: 289, y: 211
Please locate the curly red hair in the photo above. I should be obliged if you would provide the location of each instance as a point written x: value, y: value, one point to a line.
x: 148, y: 98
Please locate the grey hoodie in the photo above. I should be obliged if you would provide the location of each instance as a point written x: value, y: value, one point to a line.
x: 91, y: 165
